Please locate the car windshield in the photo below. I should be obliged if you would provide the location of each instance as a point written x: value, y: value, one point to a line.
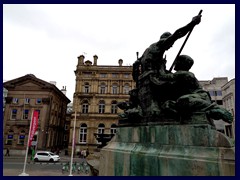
x: 52, y: 154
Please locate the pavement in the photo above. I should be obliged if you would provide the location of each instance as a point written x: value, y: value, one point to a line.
x: 92, y: 159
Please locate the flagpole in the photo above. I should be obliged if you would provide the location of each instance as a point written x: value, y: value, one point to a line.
x: 73, y: 143
x: 26, y: 155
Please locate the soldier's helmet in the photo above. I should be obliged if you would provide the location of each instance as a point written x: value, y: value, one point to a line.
x: 183, y: 62
x: 165, y: 35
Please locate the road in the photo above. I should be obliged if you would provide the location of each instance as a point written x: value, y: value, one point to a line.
x: 14, y: 167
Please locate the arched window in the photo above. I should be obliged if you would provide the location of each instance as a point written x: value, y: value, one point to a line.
x: 114, y: 88
x: 126, y: 89
x: 103, y: 88
x: 9, y: 138
x: 83, y: 134
x: 85, y: 107
x: 86, y: 87
x: 113, y: 129
x: 21, y: 137
x: 101, y: 128
x: 101, y: 106
x: 114, y: 107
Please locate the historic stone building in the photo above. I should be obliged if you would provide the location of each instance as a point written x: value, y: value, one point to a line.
x: 25, y: 94
x: 222, y: 92
x: 228, y: 92
x: 98, y: 90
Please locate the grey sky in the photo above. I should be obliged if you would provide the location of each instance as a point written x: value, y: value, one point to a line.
x: 46, y: 40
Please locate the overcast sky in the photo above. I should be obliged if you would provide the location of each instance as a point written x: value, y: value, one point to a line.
x: 45, y: 40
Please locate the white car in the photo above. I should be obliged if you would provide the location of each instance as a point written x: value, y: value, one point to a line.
x: 46, y: 156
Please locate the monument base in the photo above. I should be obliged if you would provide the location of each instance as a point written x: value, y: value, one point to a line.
x: 168, y: 150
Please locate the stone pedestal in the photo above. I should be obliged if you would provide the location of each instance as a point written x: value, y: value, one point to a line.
x: 168, y: 150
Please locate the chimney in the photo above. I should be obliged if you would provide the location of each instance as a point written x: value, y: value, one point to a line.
x: 120, y: 62
x: 64, y: 90
x: 80, y: 60
x: 95, y: 57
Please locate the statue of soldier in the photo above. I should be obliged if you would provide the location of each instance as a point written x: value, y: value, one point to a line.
x: 152, y: 61
x: 189, y: 96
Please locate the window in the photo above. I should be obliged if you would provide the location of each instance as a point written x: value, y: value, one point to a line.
x: 14, y: 114
x: 229, y: 131
x: 87, y: 74
x: 38, y: 101
x: 219, y: 93
x: 101, y: 106
x: 86, y: 88
x: 114, y: 88
x: 66, y: 127
x: 27, y: 101
x: 83, y: 134
x: 126, y: 75
x: 103, y: 88
x: 101, y: 128
x: 113, y: 129
x: 219, y: 102
x: 65, y: 137
x: 114, y: 107
x: 126, y: 89
x: 103, y: 75
x: 25, y: 114
x: 114, y: 75
x: 9, y: 138
x: 21, y: 138
x: 15, y: 100
x: 85, y: 107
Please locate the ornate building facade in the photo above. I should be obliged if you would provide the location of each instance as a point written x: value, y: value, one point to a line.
x: 98, y: 90
x: 25, y: 94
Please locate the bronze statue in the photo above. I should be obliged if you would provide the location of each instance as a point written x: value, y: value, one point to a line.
x: 161, y: 95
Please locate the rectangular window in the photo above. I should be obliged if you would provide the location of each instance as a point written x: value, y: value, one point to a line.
x: 66, y: 127
x: 25, y: 114
x: 219, y: 93
x: 38, y: 101
x: 14, y: 114
x: 219, y: 102
x: 15, y: 100
x: 102, y: 90
x: 65, y: 138
x: 21, y: 139
x: 114, y: 109
x: 87, y: 74
x: 211, y: 93
x: 126, y: 75
x: 101, y: 108
x: 114, y: 75
x: 114, y: 90
x: 27, y: 101
x: 85, y: 108
x: 103, y: 75
x: 9, y: 139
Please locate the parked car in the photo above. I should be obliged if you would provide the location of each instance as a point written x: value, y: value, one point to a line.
x: 46, y: 156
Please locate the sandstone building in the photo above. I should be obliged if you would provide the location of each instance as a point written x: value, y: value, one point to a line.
x: 98, y: 90
x: 25, y: 94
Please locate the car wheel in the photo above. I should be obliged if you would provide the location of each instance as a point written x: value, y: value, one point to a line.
x: 51, y: 160
x: 36, y: 160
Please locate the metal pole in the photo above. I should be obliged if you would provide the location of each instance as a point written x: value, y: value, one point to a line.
x: 73, y: 143
x: 26, y: 155
x: 174, y: 62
